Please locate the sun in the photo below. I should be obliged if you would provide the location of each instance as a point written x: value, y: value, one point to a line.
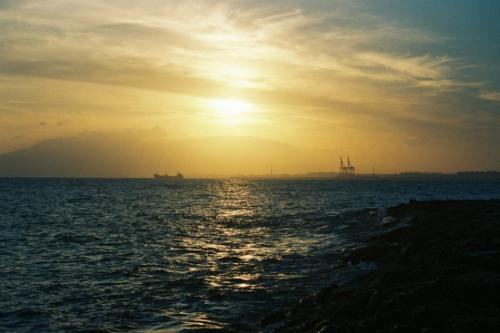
x: 231, y: 111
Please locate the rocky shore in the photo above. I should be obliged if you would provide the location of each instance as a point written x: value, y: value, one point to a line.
x: 438, y: 271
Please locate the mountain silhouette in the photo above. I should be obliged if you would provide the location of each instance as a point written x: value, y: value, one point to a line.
x: 123, y: 155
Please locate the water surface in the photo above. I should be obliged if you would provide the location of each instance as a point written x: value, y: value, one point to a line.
x: 96, y: 255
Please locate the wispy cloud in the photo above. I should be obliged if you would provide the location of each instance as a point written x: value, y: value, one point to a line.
x: 493, y: 96
x: 217, y: 41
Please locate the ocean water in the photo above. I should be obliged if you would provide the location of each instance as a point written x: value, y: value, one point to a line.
x: 94, y: 255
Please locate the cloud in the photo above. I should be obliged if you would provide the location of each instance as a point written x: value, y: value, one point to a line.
x: 220, y: 42
x: 6, y: 4
x: 493, y: 96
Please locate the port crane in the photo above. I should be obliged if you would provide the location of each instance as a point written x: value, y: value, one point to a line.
x: 346, y: 168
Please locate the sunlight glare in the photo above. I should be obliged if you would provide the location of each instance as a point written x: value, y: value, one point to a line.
x: 232, y: 111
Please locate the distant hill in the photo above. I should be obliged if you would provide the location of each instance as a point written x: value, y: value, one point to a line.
x: 99, y: 155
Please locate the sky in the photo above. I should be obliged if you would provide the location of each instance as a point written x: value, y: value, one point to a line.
x: 397, y: 85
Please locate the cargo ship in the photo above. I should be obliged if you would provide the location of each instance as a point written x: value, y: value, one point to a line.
x: 165, y: 176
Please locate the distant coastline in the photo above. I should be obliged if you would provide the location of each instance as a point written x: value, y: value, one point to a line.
x: 462, y: 175
x: 466, y: 175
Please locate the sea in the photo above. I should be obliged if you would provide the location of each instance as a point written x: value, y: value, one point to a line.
x: 139, y: 255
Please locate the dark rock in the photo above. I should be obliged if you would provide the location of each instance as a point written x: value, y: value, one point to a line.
x: 372, y: 253
x: 439, y: 273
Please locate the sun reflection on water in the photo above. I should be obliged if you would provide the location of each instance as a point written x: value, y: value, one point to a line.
x: 235, y: 250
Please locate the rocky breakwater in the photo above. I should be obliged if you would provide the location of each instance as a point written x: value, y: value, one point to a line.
x: 438, y: 271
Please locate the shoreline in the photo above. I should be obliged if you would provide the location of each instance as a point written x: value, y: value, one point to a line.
x: 438, y: 270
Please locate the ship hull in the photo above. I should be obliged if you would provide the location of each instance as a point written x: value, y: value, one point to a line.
x: 164, y: 177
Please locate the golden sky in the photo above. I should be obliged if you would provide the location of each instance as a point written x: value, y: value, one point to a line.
x: 387, y: 84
